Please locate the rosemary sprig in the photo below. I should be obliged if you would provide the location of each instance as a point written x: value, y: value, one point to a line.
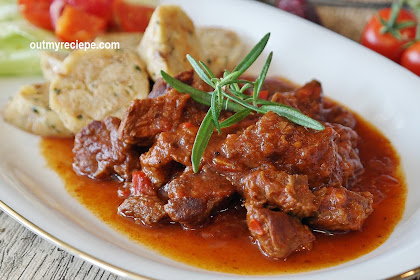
x: 229, y: 95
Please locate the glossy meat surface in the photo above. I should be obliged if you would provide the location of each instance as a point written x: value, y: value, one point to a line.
x: 327, y: 157
x: 341, y: 209
x: 278, y: 234
x: 277, y: 188
x: 193, y: 196
x: 99, y: 153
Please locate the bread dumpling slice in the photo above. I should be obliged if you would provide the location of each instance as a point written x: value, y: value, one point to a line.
x: 96, y: 83
x: 221, y: 48
x: 51, y: 63
x: 169, y: 37
x: 29, y: 110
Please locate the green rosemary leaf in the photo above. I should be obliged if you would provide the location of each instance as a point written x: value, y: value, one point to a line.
x: 207, y: 69
x: 245, y: 87
x: 252, y: 55
x: 196, y: 94
x: 201, y: 140
x: 240, y: 82
x: 293, y: 115
x: 230, y: 77
x: 243, y: 103
x: 237, y: 117
x: 261, y: 77
x: 215, y: 111
x: 199, y: 70
x: 267, y: 102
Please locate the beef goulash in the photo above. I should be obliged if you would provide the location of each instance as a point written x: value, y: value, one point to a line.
x: 291, y: 179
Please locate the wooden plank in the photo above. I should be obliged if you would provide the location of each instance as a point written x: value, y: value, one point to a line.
x: 24, y: 255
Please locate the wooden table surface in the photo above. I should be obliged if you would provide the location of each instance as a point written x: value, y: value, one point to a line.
x: 24, y: 255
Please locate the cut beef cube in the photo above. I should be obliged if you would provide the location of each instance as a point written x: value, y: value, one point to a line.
x: 327, y: 157
x: 146, y: 209
x: 341, y: 209
x: 193, y: 196
x: 161, y: 87
x: 188, y: 211
x: 308, y: 99
x: 338, y: 114
x: 277, y: 188
x: 145, y: 118
x: 277, y: 233
x: 159, y: 163
x: 99, y: 154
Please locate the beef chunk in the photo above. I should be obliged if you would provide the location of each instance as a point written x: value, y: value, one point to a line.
x: 341, y: 209
x: 147, y: 117
x: 159, y: 163
x: 193, y: 196
x: 98, y: 152
x: 308, y: 99
x: 277, y: 188
x: 188, y: 211
x: 277, y: 233
x: 161, y: 87
x: 147, y: 209
x: 327, y: 157
x: 338, y: 114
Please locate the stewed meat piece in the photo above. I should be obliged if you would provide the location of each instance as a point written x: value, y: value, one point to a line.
x: 341, y: 209
x: 338, y: 114
x: 193, y: 196
x: 277, y: 233
x: 98, y: 152
x: 327, y: 157
x: 145, y: 118
x: 161, y: 87
x: 309, y: 99
x: 277, y: 188
x: 146, y: 209
x: 170, y: 150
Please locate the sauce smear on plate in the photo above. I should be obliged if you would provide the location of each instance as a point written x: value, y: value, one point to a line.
x: 224, y: 245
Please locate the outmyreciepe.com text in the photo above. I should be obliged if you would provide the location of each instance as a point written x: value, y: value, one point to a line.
x: 73, y: 45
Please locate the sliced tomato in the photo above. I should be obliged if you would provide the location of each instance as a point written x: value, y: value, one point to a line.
x: 100, y: 8
x: 386, y: 43
x: 76, y: 24
x: 37, y: 12
x: 410, y: 58
x: 132, y: 18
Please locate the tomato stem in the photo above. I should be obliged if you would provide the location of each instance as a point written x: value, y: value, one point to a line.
x: 415, y: 7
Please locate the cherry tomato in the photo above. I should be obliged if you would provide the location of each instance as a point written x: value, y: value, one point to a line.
x: 410, y: 58
x: 76, y: 24
x: 37, y: 12
x: 100, y: 8
x: 385, y: 43
x: 132, y: 18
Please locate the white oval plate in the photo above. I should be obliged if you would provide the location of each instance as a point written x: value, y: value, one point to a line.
x: 379, y: 90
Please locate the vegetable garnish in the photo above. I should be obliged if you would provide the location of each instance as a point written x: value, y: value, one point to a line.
x: 229, y: 95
